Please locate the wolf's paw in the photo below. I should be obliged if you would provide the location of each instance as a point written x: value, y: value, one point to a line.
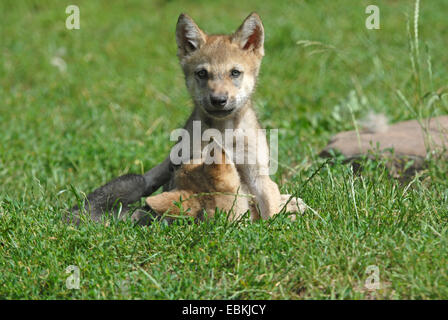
x: 295, y: 205
x: 144, y: 216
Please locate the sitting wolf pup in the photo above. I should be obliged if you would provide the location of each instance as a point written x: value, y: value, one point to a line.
x: 220, y: 74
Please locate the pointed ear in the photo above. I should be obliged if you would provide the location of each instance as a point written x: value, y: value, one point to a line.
x: 250, y: 35
x: 189, y: 37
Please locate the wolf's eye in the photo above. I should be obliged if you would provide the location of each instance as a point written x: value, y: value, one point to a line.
x: 235, y: 73
x: 202, y: 74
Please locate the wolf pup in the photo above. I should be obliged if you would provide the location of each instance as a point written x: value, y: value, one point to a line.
x: 220, y: 74
x: 201, y: 188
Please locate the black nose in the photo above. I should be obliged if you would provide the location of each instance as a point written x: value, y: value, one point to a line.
x: 218, y: 101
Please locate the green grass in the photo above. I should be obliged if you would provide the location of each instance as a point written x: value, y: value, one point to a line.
x: 122, y: 93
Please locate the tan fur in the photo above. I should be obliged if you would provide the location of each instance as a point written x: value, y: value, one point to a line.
x: 203, y: 187
x: 218, y: 56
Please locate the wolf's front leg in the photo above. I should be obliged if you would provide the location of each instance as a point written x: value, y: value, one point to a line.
x: 157, y: 177
x: 267, y: 195
x: 266, y: 192
x: 125, y: 189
